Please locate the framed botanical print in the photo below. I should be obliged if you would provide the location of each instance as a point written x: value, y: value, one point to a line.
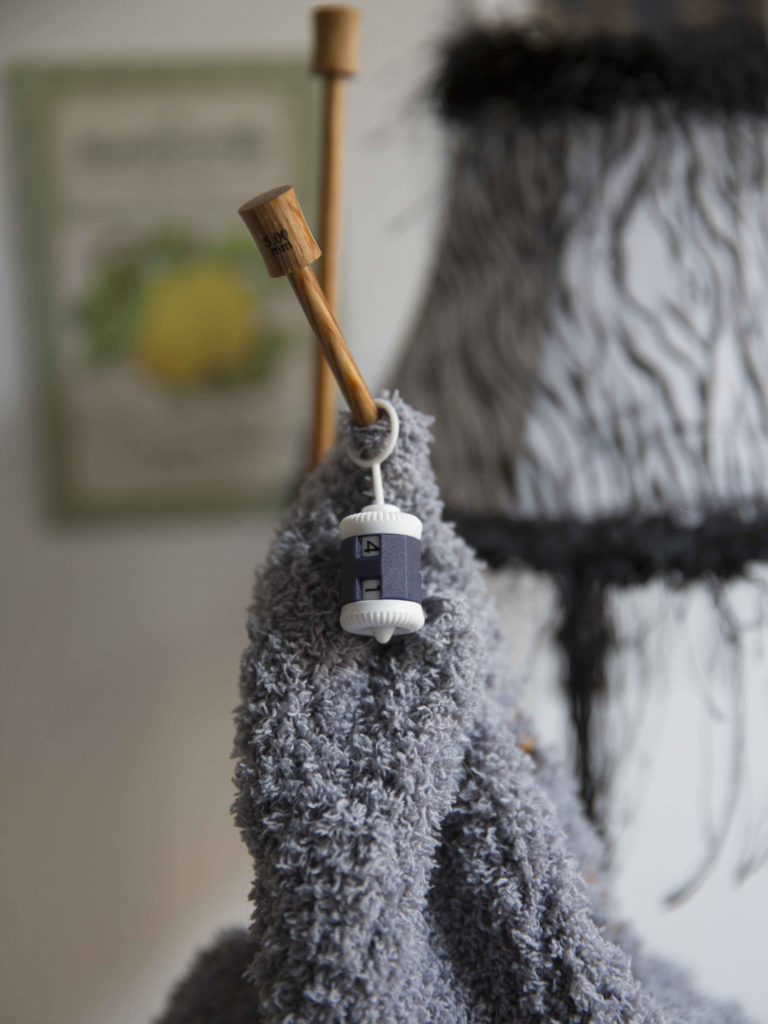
x: 174, y: 375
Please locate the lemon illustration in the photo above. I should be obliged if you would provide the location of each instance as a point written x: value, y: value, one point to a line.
x: 196, y: 324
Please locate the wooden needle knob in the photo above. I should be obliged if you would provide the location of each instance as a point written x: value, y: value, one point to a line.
x: 337, y: 35
x: 278, y: 227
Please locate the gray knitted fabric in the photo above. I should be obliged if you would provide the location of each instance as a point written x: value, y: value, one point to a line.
x: 412, y: 862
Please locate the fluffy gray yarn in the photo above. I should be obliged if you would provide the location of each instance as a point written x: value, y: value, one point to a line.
x: 412, y: 862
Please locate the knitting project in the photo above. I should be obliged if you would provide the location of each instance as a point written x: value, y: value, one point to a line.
x: 413, y: 861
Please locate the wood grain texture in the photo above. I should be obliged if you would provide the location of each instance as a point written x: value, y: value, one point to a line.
x: 341, y: 361
x: 278, y: 227
x: 335, y: 58
x: 324, y: 416
x: 337, y: 33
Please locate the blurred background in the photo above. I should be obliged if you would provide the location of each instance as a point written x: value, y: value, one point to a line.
x: 124, y: 584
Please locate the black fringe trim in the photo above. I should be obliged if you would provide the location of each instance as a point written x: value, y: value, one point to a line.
x: 623, y: 551
x: 584, y: 559
x: 724, y: 68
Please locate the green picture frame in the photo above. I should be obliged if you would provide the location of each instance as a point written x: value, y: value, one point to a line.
x: 128, y: 178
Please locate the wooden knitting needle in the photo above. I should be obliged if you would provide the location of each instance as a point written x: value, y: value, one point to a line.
x: 286, y: 244
x: 335, y: 59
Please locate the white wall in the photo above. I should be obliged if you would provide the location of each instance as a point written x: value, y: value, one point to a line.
x: 120, y: 646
